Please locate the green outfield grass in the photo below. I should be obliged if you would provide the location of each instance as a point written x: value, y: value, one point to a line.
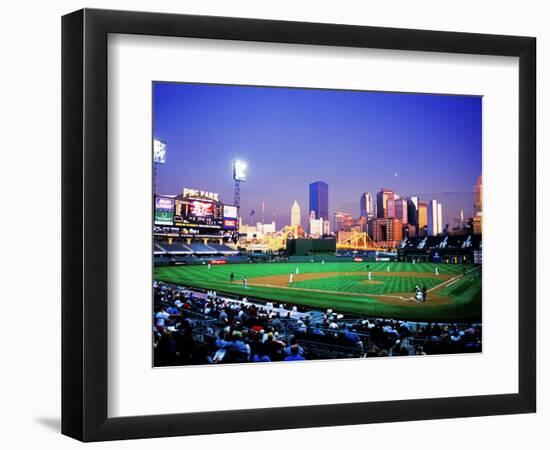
x: 347, y: 292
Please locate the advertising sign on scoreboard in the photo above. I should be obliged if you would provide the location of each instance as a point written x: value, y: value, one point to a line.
x: 164, y: 211
x: 230, y: 212
x: 230, y: 219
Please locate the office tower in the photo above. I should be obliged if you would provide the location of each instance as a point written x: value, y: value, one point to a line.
x: 422, y: 217
x: 342, y: 221
x: 432, y: 218
x: 435, y: 219
x: 326, y: 227
x: 461, y: 219
x: 412, y: 210
x: 318, y: 199
x: 390, y: 208
x: 382, y: 202
x: 401, y: 211
x: 318, y: 227
x: 311, y: 219
x: 366, y: 207
x: 478, y: 198
x: 439, y: 219
x: 295, y: 217
x: 362, y: 223
x: 386, y: 230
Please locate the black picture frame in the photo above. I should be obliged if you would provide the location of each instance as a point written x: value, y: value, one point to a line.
x: 84, y: 224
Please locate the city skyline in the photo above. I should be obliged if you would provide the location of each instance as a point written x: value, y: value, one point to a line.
x: 417, y: 144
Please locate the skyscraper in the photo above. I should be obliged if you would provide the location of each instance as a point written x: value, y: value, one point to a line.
x: 382, y: 202
x: 435, y: 218
x: 477, y: 222
x: 412, y: 210
x: 478, y: 198
x: 366, y: 206
x: 342, y: 221
x: 318, y: 227
x: 439, y: 219
x: 401, y: 211
x: 318, y: 199
x: 295, y: 217
x: 422, y: 217
x: 390, y: 208
x: 386, y: 230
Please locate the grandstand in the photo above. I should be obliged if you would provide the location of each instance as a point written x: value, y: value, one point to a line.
x: 193, y: 249
x: 193, y: 326
x: 445, y: 249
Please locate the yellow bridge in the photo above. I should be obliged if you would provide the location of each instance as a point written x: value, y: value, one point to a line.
x: 275, y: 241
x: 356, y: 240
x: 347, y: 240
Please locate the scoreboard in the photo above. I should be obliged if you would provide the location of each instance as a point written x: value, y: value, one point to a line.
x: 198, y: 212
x: 195, y: 212
x: 164, y: 211
x: 230, y: 219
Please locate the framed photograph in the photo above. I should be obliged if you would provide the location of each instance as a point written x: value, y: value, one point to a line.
x: 273, y: 225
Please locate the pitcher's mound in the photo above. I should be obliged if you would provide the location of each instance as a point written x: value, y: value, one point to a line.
x: 371, y: 282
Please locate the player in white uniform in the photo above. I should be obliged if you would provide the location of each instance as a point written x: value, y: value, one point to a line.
x: 290, y: 279
x: 387, y: 268
x: 297, y: 270
x: 436, y: 271
x: 370, y: 275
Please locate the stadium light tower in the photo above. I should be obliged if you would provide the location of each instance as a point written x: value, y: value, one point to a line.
x: 159, y: 157
x: 239, y: 175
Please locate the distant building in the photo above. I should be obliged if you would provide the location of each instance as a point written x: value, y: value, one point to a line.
x: 257, y: 231
x: 439, y: 219
x: 390, y: 208
x: 318, y: 227
x: 435, y: 218
x: 362, y: 224
x: 477, y: 225
x: 412, y: 210
x: 344, y: 237
x: 478, y: 198
x: 401, y: 211
x: 318, y: 199
x: 410, y: 231
x: 422, y: 218
x: 478, y: 207
x: 382, y: 202
x: 389, y: 231
x: 295, y: 216
x: 326, y: 227
x: 342, y: 221
x: 366, y: 207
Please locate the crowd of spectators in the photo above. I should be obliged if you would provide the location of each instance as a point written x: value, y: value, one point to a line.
x: 191, y: 327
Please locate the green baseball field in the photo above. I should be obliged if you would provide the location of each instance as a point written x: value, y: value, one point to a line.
x: 380, y: 290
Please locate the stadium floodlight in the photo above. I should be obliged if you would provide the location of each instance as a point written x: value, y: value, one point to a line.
x: 159, y: 151
x: 239, y: 170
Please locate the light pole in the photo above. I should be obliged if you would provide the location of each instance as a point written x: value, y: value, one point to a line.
x: 239, y: 175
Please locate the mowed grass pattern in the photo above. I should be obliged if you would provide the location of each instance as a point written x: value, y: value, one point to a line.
x: 465, y: 306
x: 357, y: 284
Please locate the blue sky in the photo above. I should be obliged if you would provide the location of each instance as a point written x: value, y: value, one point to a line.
x: 355, y: 141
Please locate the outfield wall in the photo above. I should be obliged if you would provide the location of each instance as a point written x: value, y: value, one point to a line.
x: 303, y: 247
x: 320, y: 258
